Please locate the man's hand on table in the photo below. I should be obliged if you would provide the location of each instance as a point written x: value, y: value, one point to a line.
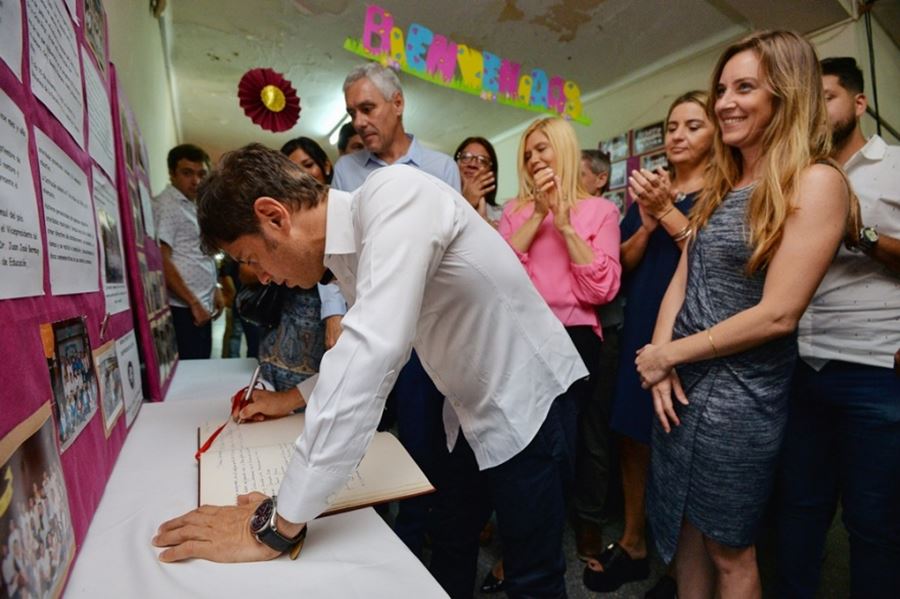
x: 266, y: 405
x: 214, y: 533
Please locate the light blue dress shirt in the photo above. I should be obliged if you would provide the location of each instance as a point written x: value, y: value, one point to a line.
x: 351, y: 171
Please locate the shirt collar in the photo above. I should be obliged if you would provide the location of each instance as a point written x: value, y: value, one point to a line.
x: 413, y: 155
x: 176, y: 193
x: 339, y: 224
x: 873, y: 151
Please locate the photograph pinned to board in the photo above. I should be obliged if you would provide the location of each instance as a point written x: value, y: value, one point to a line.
x: 112, y: 255
x: 37, y: 541
x: 95, y: 31
x: 618, y: 198
x: 147, y: 209
x: 618, y: 174
x: 130, y: 365
x: 72, y: 376
x: 617, y: 147
x: 649, y: 138
x: 651, y: 162
x: 127, y: 138
x: 112, y: 393
x: 163, y: 332
x: 136, y: 211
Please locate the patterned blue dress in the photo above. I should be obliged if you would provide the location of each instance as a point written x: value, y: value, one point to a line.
x: 290, y: 353
x: 716, y: 469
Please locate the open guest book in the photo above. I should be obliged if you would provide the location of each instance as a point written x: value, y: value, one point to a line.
x: 253, y: 457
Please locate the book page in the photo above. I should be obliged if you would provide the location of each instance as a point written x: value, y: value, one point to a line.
x: 253, y: 434
x: 254, y: 456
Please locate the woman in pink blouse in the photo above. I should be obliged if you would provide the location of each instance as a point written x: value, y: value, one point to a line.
x: 568, y: 242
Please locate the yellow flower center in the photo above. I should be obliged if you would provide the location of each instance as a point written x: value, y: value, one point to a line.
x: 273, y: 98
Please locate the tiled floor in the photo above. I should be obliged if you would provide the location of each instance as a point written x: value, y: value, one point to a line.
x: 835, y: 579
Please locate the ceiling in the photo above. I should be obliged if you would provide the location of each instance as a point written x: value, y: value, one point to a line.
x: 593, y: 42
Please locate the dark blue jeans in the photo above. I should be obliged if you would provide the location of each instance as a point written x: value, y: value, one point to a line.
x: 193, y: 342
x: 528, y: 494
x: 420, y: 428
x: 842, y: 441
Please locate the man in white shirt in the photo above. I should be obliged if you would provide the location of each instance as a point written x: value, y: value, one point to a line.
x: 375, y: 102
x: 843, y: 437
x: 419, y: 268
x: 194, y: 298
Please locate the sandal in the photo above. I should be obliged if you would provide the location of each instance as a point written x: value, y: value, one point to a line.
x: 618, y: 568
x: 491, y: 584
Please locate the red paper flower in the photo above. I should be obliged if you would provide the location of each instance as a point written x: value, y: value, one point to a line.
x: 269, y: 99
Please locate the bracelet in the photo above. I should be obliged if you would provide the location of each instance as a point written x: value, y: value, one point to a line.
x: 663, y: 215
x: 683, y: 234
x: 711, y: 344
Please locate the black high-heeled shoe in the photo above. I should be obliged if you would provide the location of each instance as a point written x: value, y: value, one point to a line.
x: 618, y: 568
x: 491, y: 584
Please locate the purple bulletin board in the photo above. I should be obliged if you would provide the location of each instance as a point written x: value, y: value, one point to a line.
x: 143, y: 255
x: 25, y: 379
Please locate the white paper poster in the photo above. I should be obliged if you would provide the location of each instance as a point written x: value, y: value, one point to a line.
x: 11, y: 35
x: 21, y: 254
x: 68, y: 220
x: 112, y: 256
x: 56, y: 64
x: 100, y: 132
x: 70, y: 5
x: 130, y: 365
x: 147, y: 209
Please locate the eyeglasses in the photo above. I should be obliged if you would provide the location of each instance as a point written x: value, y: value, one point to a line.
x: 464, y: 157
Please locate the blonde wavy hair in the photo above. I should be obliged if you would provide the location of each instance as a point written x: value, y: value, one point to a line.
x: 797, y: 137
x: 568, y: 161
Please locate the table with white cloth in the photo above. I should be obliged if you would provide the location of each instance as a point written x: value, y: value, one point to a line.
x: 349, y: 555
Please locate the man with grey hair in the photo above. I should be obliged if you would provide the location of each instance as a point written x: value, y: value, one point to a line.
x: 375, y: 103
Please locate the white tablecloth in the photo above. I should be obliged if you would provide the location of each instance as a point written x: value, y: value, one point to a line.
x: 347, y: 556
x: 198, y: 379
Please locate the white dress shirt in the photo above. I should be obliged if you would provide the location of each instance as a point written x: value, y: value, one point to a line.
x: 854, y: 315
x: 420, y: 268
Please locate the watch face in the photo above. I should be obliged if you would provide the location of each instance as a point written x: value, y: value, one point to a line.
x: 262, y: 516
x: 870, y: 234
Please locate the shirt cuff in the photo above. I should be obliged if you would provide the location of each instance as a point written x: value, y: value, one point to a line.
x: 305, y: 491
x: 333, y: 303
x: 306, y: 387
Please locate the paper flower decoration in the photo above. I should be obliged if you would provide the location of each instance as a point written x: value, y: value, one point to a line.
x: 269, y: 100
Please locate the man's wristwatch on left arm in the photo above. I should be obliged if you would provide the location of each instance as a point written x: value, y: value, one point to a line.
x: 263, y: 527
x: 868, y: 239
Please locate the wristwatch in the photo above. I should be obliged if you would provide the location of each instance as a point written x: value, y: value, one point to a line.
x: 262, y: 525
x: 868, y: 237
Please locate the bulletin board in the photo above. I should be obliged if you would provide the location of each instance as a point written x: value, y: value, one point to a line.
x: 635, y: 149
x: 77, y: 351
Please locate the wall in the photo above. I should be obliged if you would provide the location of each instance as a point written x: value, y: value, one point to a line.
x: 645, y: 99
x: 136, y: 47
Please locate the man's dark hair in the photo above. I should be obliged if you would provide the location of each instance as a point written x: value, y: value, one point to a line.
x: 347, y: 131
x: 846, y: 70
x: 598, y: 162
x: 313, y: 150
x: 226, y: 197
x: 188, y: 152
